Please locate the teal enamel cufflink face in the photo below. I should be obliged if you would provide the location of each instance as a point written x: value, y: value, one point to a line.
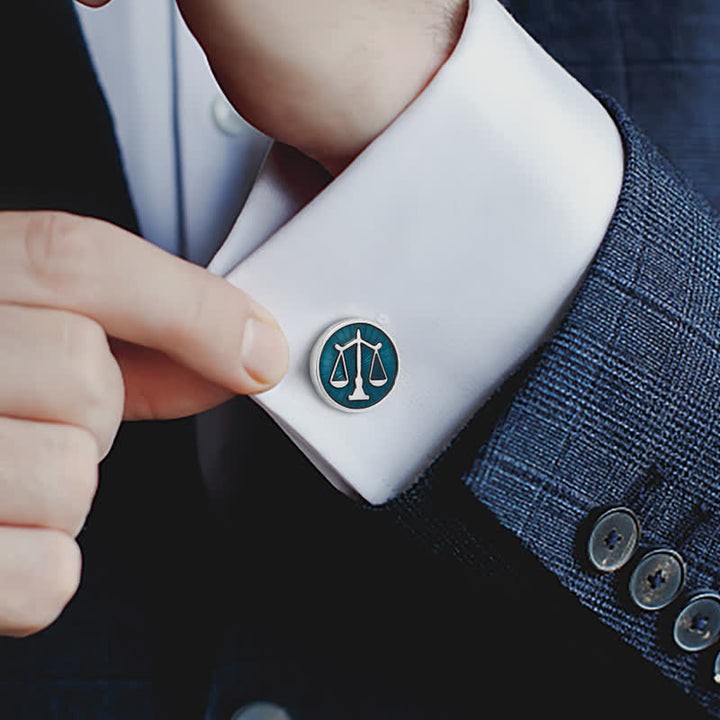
x: 354, y: 365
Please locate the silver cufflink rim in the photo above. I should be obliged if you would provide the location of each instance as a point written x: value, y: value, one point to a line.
x: 318, y: 350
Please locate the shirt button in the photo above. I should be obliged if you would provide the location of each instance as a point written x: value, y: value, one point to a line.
x: 657, y: 580
x: 614, y: 539
x: 698, y: 625
x: 261, y: 711
x: 227, y: 119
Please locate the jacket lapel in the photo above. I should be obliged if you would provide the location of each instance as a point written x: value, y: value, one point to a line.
x: 57, y: 143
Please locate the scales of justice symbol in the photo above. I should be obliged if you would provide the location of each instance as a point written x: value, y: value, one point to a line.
x: 377, y: 377
x: 354, y: 365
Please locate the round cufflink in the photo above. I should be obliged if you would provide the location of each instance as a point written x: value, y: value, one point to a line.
x: 354, y: 365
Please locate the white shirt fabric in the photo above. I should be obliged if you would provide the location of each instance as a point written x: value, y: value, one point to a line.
x: 187, y: 178
x: 463, y: 230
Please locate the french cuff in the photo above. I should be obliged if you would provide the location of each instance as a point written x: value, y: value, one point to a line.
x: 461, y: 233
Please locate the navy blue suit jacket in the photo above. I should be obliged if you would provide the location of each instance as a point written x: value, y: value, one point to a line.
x: 469, y: 593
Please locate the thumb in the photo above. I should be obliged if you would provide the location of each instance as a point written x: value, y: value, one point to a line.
x: 149, y: 299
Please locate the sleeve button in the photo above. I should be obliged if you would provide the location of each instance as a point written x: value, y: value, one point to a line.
x: 657, y: 580
x: 697, y: 626
x: 614, y: 539
x: 716, y: 670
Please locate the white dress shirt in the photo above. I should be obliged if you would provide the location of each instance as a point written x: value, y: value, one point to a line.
x: 463, y: 230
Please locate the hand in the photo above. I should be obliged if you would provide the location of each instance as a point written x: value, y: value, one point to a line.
x: 97, y: 325
x: 326, y: 76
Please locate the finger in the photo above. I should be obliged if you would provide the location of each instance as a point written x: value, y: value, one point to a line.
x: 48, y: 475
x: 39, y: 574
x: 141, y: 294
x: 56, y: 366
x: 157, y: 387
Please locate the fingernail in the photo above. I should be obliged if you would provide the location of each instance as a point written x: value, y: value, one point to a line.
x: 264, y: 351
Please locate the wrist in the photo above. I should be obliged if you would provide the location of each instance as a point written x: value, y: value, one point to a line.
x: 406, y: 62
x: 325, y: 76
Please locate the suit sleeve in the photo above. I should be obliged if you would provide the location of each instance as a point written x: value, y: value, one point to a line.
x: 618, y: 409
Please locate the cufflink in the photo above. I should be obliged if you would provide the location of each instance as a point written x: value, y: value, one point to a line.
x: 354, y: 365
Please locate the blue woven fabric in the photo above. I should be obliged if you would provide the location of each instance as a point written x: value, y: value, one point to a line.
x: 623, y: 406
x: 659, y: 58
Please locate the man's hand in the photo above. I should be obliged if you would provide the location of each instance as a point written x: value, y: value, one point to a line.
x: 97, y: 325
x: 326, y: 76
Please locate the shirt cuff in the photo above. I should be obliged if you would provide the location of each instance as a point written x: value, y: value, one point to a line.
x: 463, y: 231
